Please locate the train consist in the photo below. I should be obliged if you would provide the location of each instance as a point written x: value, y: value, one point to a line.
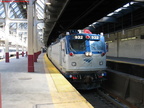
x: 12, y: 52
x: 81, y: 58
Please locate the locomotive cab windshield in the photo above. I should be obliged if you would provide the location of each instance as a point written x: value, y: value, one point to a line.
x: 77, y: 45
x: 86, y: 43
x: 97, y: 46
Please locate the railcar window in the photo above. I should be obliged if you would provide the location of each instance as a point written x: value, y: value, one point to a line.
x: 96, y: 46
x: 12, y: 50
x: 77, y: 45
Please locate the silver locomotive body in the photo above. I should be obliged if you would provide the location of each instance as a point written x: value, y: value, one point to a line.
x: 81, y: 59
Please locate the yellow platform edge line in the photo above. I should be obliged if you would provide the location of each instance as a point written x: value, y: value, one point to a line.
x: 124, y: 62
x: 63, y: 94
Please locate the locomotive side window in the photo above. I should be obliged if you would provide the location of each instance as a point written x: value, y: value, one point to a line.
x: 77, y: 45
x: 96, y: 46
x: 62, y: 45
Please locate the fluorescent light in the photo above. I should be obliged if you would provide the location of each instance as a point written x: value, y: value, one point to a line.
x: 48, y: 3
x: 126, y: 5
x: 95, y: 22
x: 110, y: 14
x: 130, y: 38
x: 109, y: 41
x: 119, y: 9
x: 139, y: 0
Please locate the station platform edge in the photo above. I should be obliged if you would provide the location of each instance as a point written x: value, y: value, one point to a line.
x: 64, y: 95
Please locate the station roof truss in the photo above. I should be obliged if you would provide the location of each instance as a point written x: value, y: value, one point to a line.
x: 79, y: 14
x: 60, y: 16
x: 17, y: 11
x: 132, y: 11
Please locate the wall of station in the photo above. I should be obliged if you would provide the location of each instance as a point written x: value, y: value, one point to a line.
x: 126, y: 43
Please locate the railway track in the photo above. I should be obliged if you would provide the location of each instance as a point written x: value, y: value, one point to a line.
x: 99, y: 99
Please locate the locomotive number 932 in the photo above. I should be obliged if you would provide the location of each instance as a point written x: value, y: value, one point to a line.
x: 81, y: 58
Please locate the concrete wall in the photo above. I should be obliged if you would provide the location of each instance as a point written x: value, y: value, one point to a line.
x: 131, y: 48
x: 128, y: 87
x: 112, y: 49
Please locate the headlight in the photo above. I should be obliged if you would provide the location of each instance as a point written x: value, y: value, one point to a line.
x: 101, y: 63
x: 88, y: 53
x: 73, y: 63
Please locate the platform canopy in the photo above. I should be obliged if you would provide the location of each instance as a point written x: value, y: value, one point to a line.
x: 17, y: 16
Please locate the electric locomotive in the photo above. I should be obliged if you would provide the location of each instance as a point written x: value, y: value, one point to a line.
x: 81, y: 58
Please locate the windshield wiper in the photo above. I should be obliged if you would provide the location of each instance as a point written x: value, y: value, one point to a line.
x: 72, y: 48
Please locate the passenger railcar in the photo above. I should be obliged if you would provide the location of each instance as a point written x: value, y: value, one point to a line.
x: 81, y: 58
x: 2, y: 52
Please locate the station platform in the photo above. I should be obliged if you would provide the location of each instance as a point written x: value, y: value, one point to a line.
x: 125, y: 60
x: 44, y: 88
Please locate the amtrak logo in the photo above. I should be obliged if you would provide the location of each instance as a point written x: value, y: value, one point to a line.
x: 88, y: 60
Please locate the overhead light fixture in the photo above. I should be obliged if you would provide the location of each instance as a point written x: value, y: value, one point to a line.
x: 110, y: 14
x: 48, y: 3
x: 95, y: 22
x: 109, y: 41
x: 24, y: 7
x: 139, y: 0
x: 130, y: 38
x: 118, y: 10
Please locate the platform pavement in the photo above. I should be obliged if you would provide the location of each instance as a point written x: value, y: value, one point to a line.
x: 21, y: 89
x: 39, y: 89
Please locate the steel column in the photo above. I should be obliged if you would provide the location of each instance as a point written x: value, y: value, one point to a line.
x: 30, y: 37
x: 17, y: 39
x: 6, y: 33
x: 35, y: 35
